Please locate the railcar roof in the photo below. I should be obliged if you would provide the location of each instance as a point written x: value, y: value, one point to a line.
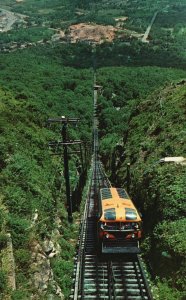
x: 117, y: 206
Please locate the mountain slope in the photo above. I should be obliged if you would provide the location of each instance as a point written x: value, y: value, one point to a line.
x: 33, y: 196
x: 156, y: 129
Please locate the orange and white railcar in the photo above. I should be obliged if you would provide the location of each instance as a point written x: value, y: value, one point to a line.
x: 119, y: 223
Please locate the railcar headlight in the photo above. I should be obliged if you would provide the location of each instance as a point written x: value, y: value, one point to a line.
x: 107, y: 236
x: 133, y: 235
x: 136, y: 226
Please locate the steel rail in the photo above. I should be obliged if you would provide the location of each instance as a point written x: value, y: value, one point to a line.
x: 147, y: 287
x: 83, y: 226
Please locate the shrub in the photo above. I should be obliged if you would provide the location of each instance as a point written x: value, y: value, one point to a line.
x: 172, y: 236
x: 165, y: 292
x: 3, y: 240
x: 22, y: 257
x: 19, y: 295
x: 2, y: 281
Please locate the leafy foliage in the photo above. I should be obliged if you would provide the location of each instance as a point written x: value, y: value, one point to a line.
x: 63, y: 271
x: 172, y: 238
x: 30, y: 177
x: 154, y: 130
x: 3, y: 281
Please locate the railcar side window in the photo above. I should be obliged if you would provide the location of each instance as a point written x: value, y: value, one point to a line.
x: 110, y: 214
x: 130, y: 214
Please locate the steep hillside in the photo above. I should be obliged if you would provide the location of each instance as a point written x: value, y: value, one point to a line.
x: 33, y: 217
x: 156, y: 129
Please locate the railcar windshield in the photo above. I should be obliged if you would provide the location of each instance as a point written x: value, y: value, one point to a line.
x: 130, y: 214
x: 110, y: 214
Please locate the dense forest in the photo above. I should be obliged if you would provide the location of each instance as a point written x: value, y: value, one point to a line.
x: 141, y: 120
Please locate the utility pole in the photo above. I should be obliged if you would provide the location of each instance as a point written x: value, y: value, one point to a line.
x: 81, y: 156
x: 87, y: 146
x: 128, y: 177
x: 66, y: 171
x: 65, y: 143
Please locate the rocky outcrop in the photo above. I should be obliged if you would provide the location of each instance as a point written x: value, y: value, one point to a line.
x: 8, y: 263
x: 42, y: 274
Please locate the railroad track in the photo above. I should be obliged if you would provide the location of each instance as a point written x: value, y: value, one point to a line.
x: 113, y: 277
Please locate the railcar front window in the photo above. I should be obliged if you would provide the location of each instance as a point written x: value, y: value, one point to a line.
x: 110, y: 214
x: 130, y: 214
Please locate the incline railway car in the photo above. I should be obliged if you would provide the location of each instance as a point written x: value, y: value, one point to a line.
x: 119, y: 223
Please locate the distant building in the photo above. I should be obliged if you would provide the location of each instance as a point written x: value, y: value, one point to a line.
x: 177, y: 160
